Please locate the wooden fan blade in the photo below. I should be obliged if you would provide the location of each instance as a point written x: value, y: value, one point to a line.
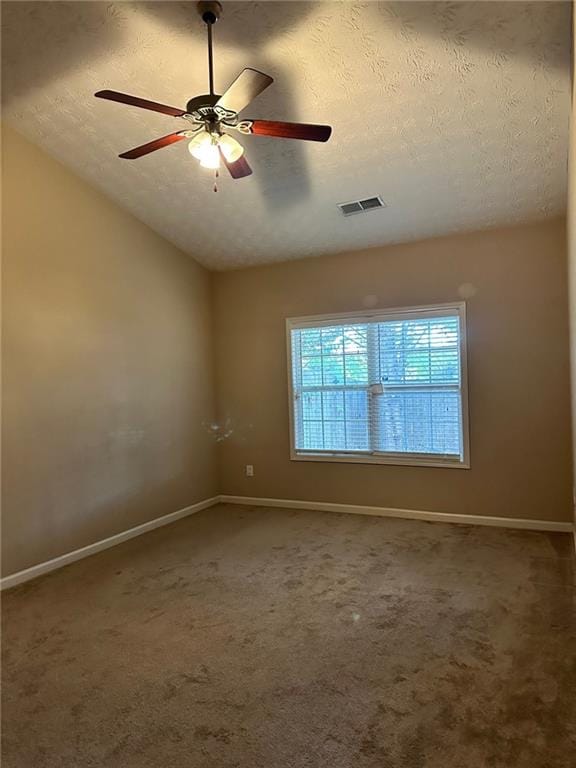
x: 135, y: 101
x: 152, y: 146
x: 248, y: 84
x: 304, y: 131
x: 239, y: 168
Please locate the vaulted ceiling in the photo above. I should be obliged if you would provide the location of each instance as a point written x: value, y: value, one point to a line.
x: 455, y: 113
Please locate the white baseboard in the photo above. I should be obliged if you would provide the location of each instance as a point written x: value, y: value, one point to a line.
x: 410, y: 514
x: 70, y: 557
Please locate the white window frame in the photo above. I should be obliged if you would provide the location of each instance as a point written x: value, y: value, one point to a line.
x: 395, y: 313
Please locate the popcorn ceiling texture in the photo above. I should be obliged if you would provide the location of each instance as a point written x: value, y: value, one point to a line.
x: 455, y: 113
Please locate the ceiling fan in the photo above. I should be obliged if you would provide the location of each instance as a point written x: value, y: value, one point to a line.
x: 211, y: 116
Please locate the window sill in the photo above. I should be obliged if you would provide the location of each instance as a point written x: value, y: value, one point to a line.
x: 409, y: 460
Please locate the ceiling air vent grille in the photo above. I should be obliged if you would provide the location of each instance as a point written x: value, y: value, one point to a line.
x: 361, y: 206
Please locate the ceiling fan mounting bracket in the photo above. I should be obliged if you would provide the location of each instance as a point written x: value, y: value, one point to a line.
x: 209, y: 10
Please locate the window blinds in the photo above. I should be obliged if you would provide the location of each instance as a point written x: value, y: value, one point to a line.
x: 390, y: 384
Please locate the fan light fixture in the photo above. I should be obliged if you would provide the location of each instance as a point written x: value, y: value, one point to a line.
x: 211, y: 116
x: 206, y: 147
x: 231, y: 149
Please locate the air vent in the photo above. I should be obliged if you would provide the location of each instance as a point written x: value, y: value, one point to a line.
x: 361, y: 206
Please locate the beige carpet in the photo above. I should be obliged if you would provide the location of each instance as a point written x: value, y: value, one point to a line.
x: 259, y: 638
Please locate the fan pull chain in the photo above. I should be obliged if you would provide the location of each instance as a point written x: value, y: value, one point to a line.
x: 216, y: 176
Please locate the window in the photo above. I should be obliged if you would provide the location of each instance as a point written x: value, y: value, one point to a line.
x: 383, y: 387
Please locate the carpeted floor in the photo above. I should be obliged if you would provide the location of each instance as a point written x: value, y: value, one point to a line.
x: 260, y: 638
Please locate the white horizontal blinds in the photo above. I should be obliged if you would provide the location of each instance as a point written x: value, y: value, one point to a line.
x: 331, y: 380
x: 379, y: 385
x: 296, y: 347
x: 419, y: 410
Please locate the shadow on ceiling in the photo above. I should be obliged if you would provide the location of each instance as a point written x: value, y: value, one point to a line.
x: 500, y: 28
x: 283, y: 176
x: 87, y: 31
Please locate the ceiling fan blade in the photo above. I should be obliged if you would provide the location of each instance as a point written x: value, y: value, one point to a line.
x: 239, y: 168
x: 304, y: 131
x: 135, y: 101
x: 152, y: 146
x: 248, y: 84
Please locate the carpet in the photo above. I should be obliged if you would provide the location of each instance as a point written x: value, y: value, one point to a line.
x: 263, y: 638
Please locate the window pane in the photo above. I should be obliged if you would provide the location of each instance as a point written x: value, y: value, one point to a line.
x: 356, y: 368
x: 334, y: 436
x: 310, y: 340
x: 416, y: 366
x: 333, y: 370
x: 313, y: 436
x: 445, y: 350
x: 312, y: 406
x: 333, y: 406
x: 311, y: 371
x: 357, y: 436
x: 416, y: 334
x: 446, y: 422
x: 420, y: 351
x: 332, y: 341
x: 355, y: 339
x: 390, y: 423
x: 419, y: 422
x: 445, y: 367
x: 357, y: 406
x: 391, y: 352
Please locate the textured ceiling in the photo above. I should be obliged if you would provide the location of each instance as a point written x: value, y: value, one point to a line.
x: 455, y: 113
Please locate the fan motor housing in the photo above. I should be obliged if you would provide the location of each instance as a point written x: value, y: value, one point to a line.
x: 203, y: 104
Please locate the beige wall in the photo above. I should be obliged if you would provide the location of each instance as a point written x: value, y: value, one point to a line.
x: 518, y: 371
x: 107, y: 366
x: 108, y: 374
x: 572, y: 259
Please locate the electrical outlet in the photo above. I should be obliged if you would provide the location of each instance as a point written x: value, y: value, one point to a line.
x: 249, y: 470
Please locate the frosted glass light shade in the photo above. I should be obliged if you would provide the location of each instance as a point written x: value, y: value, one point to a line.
x: 210, y: 155
x: 231, y: 149
x: 196, y: 146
